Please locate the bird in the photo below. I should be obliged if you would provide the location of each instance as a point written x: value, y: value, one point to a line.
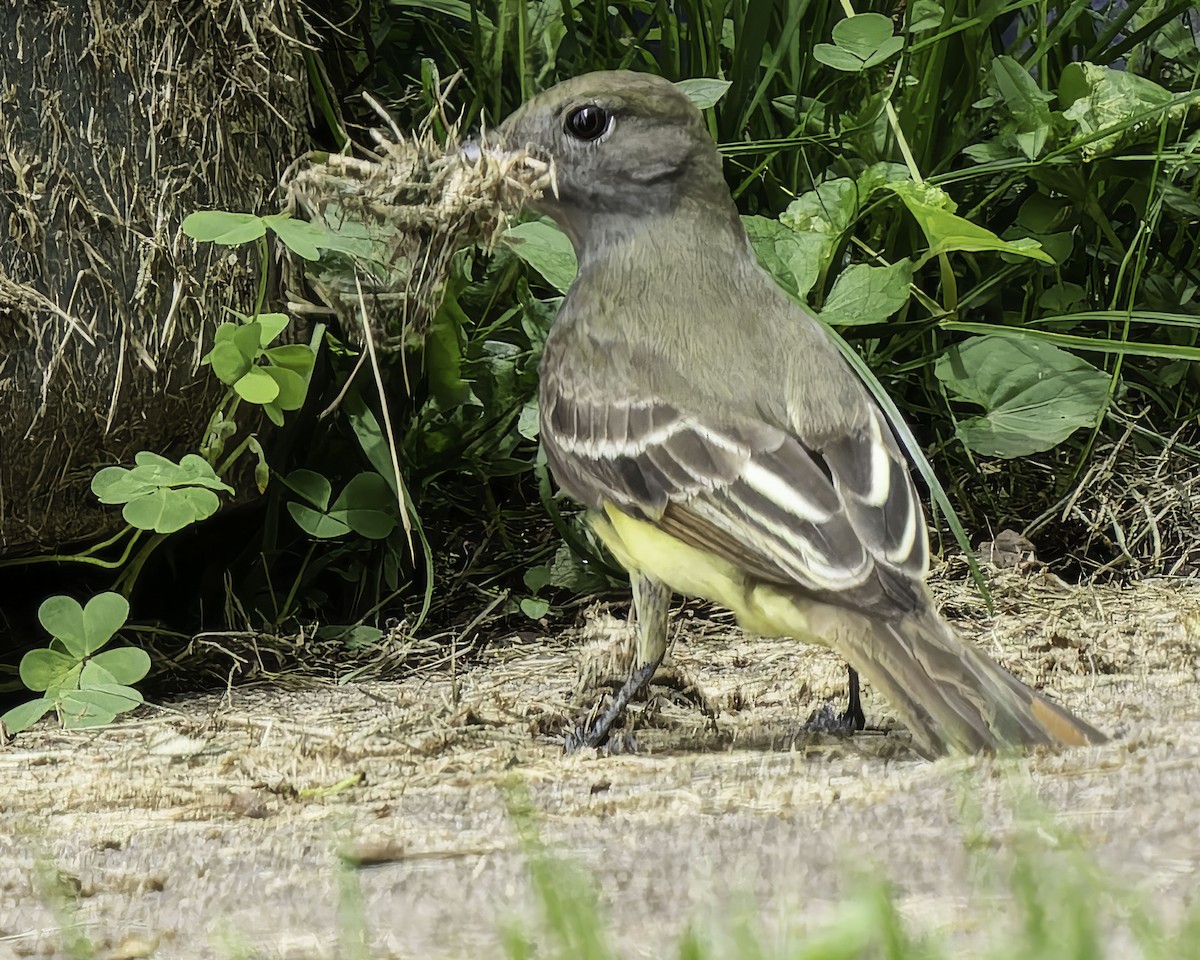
x: 722, y: 446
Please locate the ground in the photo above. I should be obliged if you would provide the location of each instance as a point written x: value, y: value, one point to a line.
x: 269, y: 822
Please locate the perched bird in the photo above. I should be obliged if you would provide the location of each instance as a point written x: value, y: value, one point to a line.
x: 724, y: 447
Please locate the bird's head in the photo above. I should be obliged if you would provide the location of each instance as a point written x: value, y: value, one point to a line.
x: 625, y: 146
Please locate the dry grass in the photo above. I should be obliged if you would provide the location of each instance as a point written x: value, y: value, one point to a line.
x: 415, y: 201
x: 267, y: 789
x: 105, y: 302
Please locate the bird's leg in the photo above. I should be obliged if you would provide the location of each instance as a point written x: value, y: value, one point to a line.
x: 652, y: 601
x: 825, y: 720
x: 854, y: 718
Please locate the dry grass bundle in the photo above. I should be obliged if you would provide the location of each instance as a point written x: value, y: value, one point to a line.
x: 1139, y: 510
x: 404, y: 209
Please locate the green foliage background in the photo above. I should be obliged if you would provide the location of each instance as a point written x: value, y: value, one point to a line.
x: 1073, y: 124
x: 994, y: 204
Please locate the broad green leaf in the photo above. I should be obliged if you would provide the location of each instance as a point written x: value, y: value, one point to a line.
x: 319, y: 525
x: 293, y: 356
x: 152, y: 474
x: 864, y: 294
x: 311, y: 485
x: 299, y: 236
x: 103, y: 616
x: 545, y: 248
x: 124, y: 665
x: 257, y: 386
x: 704, y: 92
x: 228, y: 363
x: 1025, y: 104
x: 25, y: 715
x: 113, y: 697
x: 43, y: 669
x: 219, y: 226
x: 537, y: 577
x: 271, y: 325
x: 824, y: 213
x: 443, y: 355
x: 80, y: 712
x: 534, y: 608
x: 859, y: 42
x: 878, y: 176
x: 169, y: 510
x: 368, y: 506
x: 64, y: 619
x: 528, y: 423
x: 1101, y: 99
x: 790, y: 257
x: 292, y: 387
x: 248, y: 338
x: 1034, y: 395
x: 945, y: 231
x: 924, y: 15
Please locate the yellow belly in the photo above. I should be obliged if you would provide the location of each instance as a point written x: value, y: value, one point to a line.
x: 760, y: 608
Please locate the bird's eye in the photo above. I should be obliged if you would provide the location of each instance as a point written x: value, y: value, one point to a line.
x: 588, y: 123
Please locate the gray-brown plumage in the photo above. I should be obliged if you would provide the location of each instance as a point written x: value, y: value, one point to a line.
x: 724, y: 446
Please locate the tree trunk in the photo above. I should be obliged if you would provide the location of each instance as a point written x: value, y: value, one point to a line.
x: 116, y: 121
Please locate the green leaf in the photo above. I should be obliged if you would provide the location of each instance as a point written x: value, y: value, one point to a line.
x: 863, y: 294
x: 227, y: 362
x: 443, y: 355
x: 218, y: 226
x: 859, y: 42
x: 315, y: 524
x: 537, y: 577
x: 113, y: 698
x: 299, y: 236
x: 257, y: 386
x: 63, y: 618
x: 704, y: 92
x: 1028, y: 117
x: 169, y: 510
x: 924, y: 15
x: 825, y: 213
x: 43, y: 669
x: 367, y: 506
x: 124, y: 665
x: 82, y: 711
x: 271, y: 325
x: 529, y: 423
x: 534, y: 608
x: 25, y: 715
x: 546, y: 248
x: 292, y: 388
x: 791, y: 258
x: 1034, y: 395
x: 1101, y: 100
x: 945, y: 231
x: 293, y: 356
x: 103, y: 616
x: 311, y: 485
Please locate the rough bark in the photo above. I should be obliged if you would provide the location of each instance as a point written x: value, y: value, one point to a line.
x: 116, y: 121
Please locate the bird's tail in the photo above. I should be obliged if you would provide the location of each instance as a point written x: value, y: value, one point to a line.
x: 952, y: 696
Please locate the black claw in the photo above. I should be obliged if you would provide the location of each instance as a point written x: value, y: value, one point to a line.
x: 597, y: 734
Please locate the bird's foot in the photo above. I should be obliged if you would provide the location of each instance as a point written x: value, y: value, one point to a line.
x: 827, y: 719
x: 596, y: 731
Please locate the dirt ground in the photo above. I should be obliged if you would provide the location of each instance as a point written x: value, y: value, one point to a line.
x: 251, y: 824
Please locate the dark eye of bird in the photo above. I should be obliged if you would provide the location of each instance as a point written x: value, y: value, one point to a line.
x: 588, y: 123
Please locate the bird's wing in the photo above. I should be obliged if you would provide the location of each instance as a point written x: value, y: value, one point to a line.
x: 840, y: 521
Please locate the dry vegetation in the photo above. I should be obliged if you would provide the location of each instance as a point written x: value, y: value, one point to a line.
x: 224, y: 818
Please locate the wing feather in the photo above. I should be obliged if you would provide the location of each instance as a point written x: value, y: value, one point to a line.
x: 840, y: 520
